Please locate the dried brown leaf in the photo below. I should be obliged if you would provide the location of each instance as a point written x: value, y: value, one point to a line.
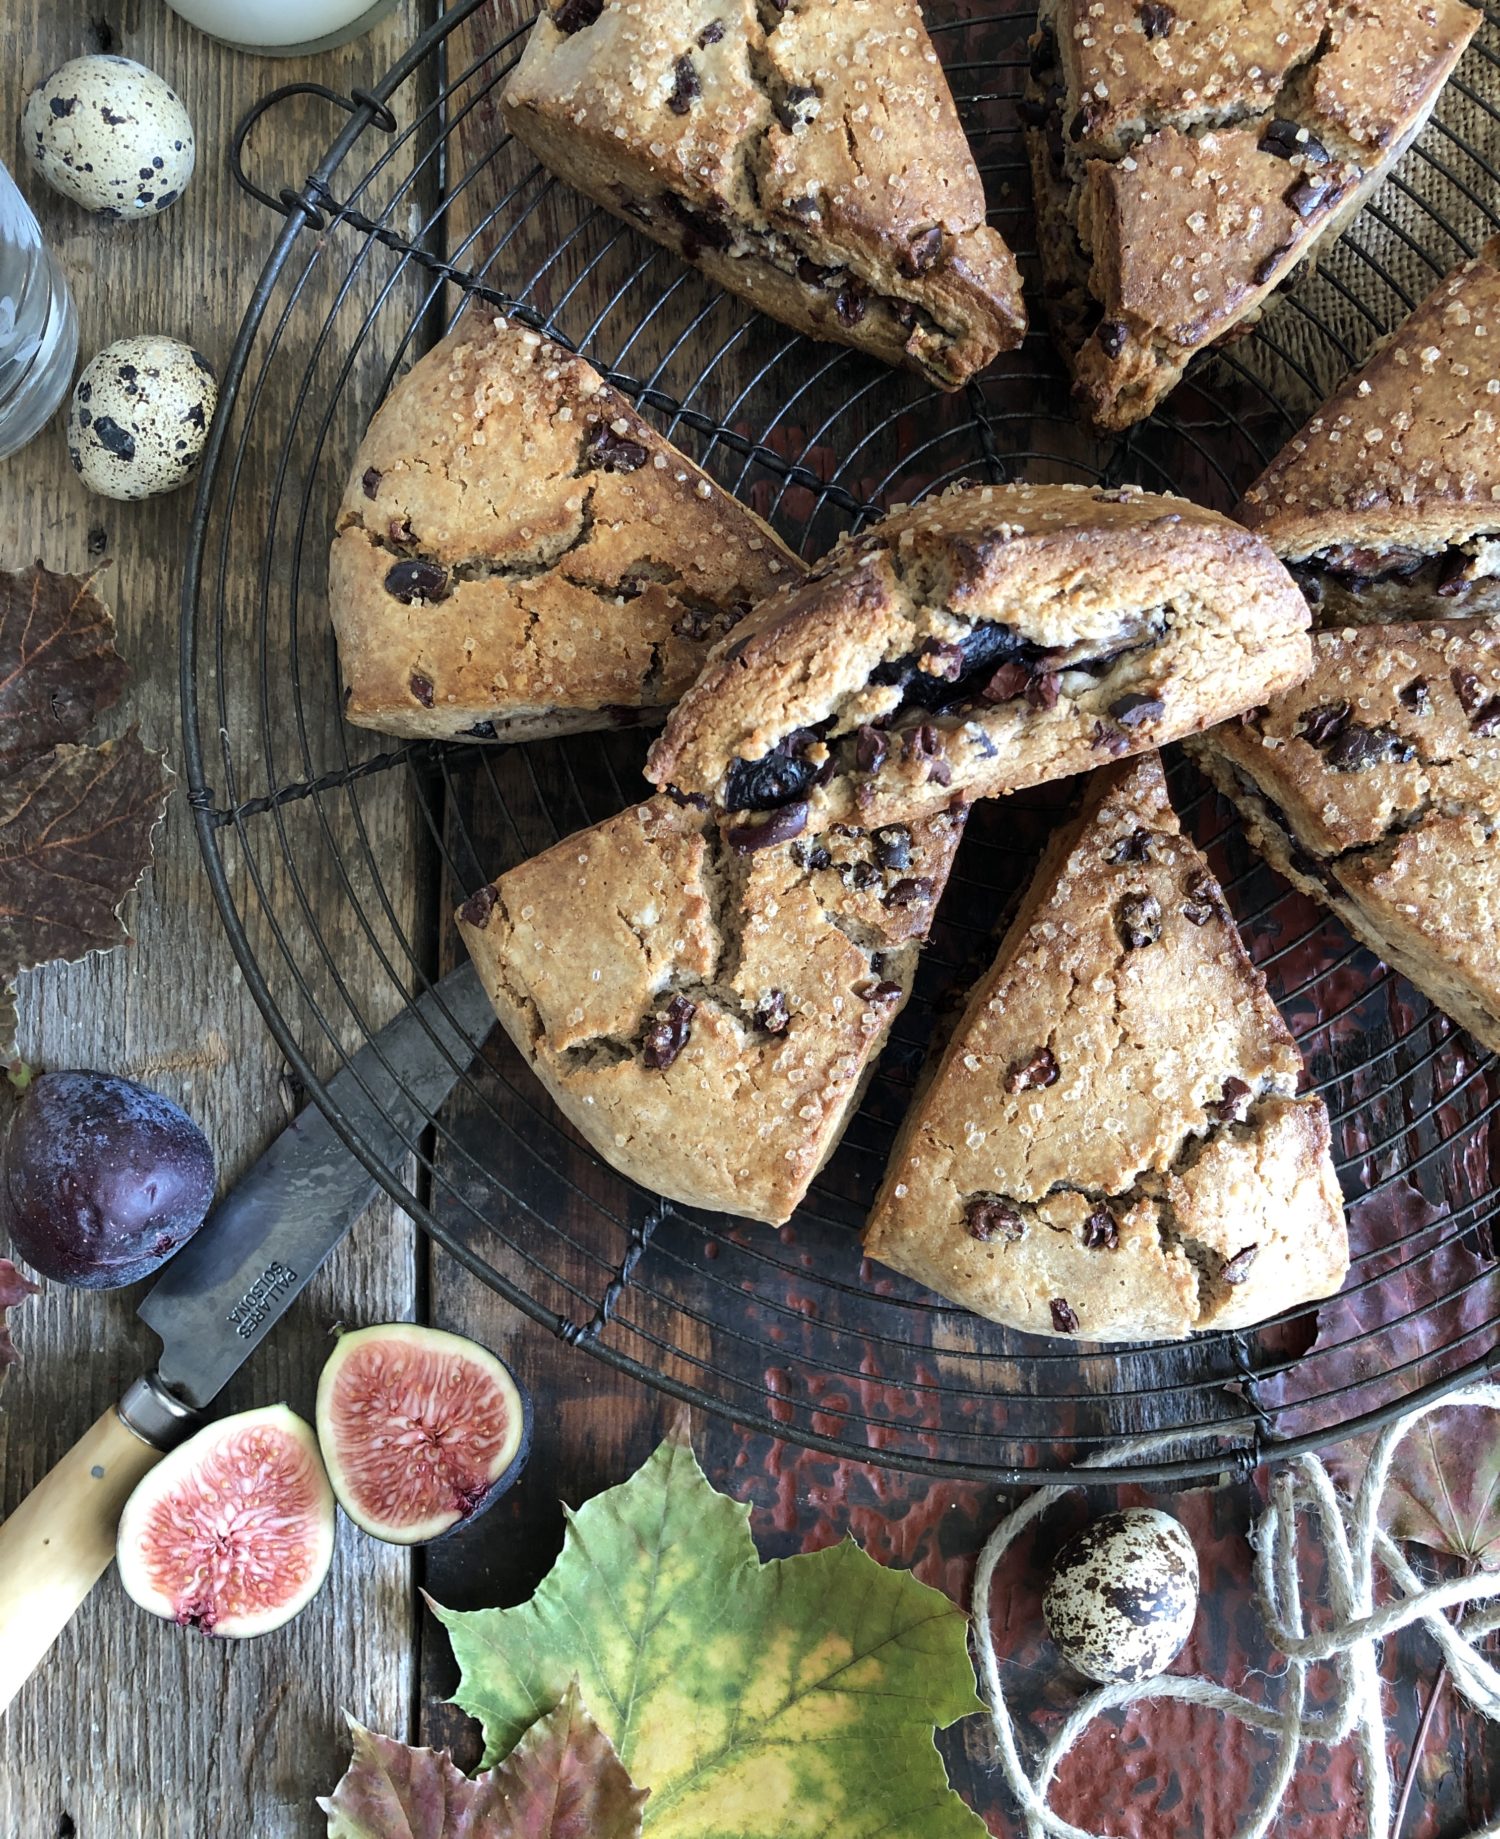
x: 58, y: 665
x: 14, y: 1288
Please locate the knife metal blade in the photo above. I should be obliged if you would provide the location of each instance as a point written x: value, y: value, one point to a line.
x: 224, y: 1292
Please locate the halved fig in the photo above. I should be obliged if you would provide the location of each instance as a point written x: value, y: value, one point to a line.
x: 233, y: 1532
x: 421, y: 1429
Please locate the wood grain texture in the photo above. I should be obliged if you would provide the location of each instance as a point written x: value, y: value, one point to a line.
x: 135, y: 1729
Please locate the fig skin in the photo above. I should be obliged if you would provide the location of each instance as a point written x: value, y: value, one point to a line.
x: 354, y: 1351
x: 101, y: 1180
x: 187, y: 1490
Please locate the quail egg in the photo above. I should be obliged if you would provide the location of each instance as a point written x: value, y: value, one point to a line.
x: 1122, y: 1595
x: 140, y: 417
x: 109, y: 134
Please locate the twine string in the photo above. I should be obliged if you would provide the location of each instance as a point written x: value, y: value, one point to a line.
x: 1348, y: 1636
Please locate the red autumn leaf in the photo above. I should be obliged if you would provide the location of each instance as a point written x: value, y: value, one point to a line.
x: 14, y: 1288
x: 563, y: 1780
x: 58, y: 664
x: 75, y: 838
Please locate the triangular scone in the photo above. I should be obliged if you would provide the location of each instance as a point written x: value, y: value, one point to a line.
x: 704, y: 1000
x: 1387, y: 504
x: 518, y: 553
x: 806, y: 154
x: 1111, y: 1145
x: 1375, y: 788
x: 988, y: 639
x: 1186, y: 155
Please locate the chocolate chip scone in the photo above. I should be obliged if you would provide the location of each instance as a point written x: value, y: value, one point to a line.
x: 806, y: 154
x: 1187, y: 155
x: 1375, y: 788
x: 986, y: 640
x: 518, y: 553
x: 1111, y: 1145
x: 1387, y: 504
x: 704, y: 1001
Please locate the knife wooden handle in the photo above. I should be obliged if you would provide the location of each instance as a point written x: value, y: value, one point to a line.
x: 59, y: 1542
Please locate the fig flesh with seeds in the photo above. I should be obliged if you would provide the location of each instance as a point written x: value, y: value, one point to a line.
x: 232, y: 1533
x: 421, y: 1430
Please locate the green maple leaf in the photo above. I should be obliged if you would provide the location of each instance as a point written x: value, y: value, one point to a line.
x: 563, y: 1780
x: 753, y: 1701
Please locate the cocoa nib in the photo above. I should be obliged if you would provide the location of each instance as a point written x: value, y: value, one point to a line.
x: 1319, y: 726
x: 711, y: 33
x: 942, y: 659
x: 771, y: 1013
x: 1112, y: 336
x: 1350, y: 746
x: 1307, y: 194
x: 1262, y: 272
x: 850, y: 304
x: 1133, y: 848
x: 615, y: 453
x: 1483, y: 711
x: 910, y: 891
x: 1041, y: 692
x: 417, y: 580
x: 892, y: 846
x: 1010, y: 681
x: 1237, y: 1268
x: 1157, y: 19
x: 1138, y: 918
x: 1101, y: 1231
x: 987, y: 1218
x: 1063, y: 1318
x: 370, y: 482
x: 668, y: 1034
x: 686, y: 89
x: 924, y: 251
x: 1036, y: 1070
x: 870, y: 750
x: 1234, y: 1105
x: 477, y: 909
x: 1416, y: 696
x: 1202, y: 903
x: 1287, y: 141
x: 574, y: 15
x: 883, y: 992
x: 421, y: 688
x: 1133, y: 710
x: 780, y: 826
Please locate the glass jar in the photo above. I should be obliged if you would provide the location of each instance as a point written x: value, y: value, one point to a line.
x: 38, y: 328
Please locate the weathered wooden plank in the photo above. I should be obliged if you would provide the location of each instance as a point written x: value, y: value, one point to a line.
x: 137, y: 1729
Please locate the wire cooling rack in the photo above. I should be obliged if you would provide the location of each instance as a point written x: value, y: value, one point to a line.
x: 315, y: 835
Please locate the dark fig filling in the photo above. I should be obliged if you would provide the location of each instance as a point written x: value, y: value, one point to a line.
x: 1448, y: 574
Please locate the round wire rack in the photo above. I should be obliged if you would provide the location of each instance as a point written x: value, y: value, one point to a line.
x: 336, y: 858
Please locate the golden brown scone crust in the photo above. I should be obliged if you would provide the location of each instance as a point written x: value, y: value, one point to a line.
x: 1375, y: 787
x: 1186, y: 155
x: 1405, y: 457
x: 797, y: 957
x: 580, y: 566
x: 808, y: 157
x: 1111, y: 1145
x: 1184, y: 618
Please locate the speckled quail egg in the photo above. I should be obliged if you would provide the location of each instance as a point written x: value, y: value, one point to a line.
x: 109, y: 134
x: 140, y: 417
x: 1122, y: 1594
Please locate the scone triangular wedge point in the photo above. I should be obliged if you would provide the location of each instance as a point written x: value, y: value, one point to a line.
x: 803, y: 154
x: 1187, y: 155
x: 1375, y: 788
x: 1386, y: 506
x: 704, y: 1001
x: 985, y: 640
x: 518, y: 553
x: 1111, y: 1145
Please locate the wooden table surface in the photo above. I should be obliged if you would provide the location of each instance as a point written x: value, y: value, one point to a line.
x: 135, y: 1729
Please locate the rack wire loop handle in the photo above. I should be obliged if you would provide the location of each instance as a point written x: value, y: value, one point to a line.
x: 288, y: 200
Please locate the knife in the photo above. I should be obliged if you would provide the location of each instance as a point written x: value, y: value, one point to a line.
x: 218, y: 1299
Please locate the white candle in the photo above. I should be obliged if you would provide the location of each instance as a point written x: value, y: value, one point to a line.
x: 282, y: 28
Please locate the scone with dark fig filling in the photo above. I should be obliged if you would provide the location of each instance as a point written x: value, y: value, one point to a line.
x: 1386, y: 506
x: 704, y: 999
x: 1112, y: 1145
x: 518, y: 553
x: 1375, y: 788
x: 985, y: 640
x: 805, y: 154
x: 1187, y: 155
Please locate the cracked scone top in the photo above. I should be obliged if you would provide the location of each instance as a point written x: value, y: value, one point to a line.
x: 989, y: 639
x: 1375, y: 788
x: 1111, y: 1145
x: 1186, y: 155
x: 704, y: 1005
x: 517, y: 553
x: 806, y: 154
x: 1387, y: 503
